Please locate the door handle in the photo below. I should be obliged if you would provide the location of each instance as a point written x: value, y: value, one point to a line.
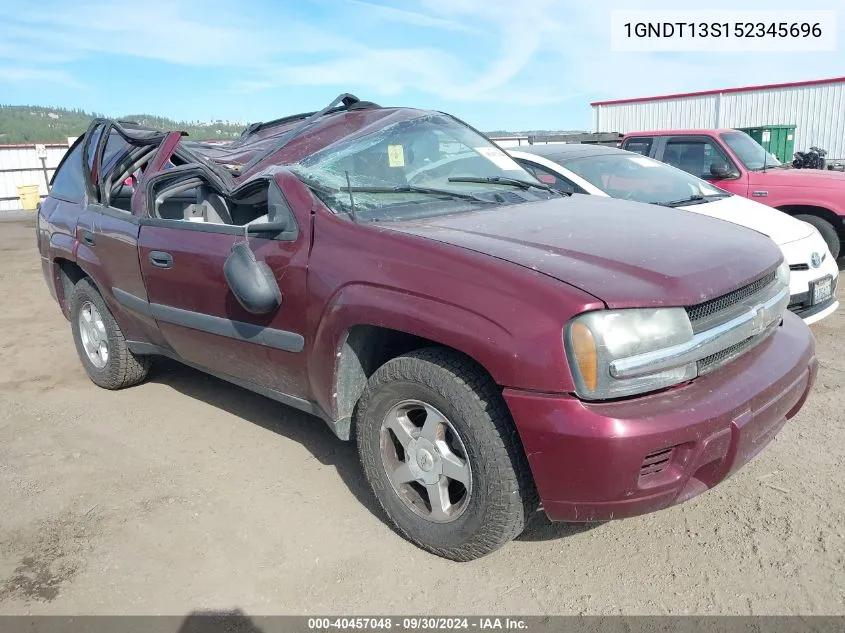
x: 161, y: 259
x: 88, y: 237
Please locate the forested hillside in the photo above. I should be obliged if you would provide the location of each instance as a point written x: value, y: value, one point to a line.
x: 34, y: 124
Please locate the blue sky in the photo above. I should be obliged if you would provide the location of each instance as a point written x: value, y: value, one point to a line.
x: 498, y: 64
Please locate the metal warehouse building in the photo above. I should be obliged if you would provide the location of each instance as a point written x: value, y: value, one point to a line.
x: 815, y: 109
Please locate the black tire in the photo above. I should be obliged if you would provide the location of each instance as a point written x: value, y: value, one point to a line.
x: 827, y: 230
x: 503, y: 495
x: 122, y: 368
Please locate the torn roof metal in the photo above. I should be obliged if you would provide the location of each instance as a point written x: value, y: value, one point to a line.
x: 290, y: 139
x: 264, y: 147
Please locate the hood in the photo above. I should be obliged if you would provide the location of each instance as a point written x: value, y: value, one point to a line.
x: 816, y: 178
x: 627, y: 254
x: 779, y: 226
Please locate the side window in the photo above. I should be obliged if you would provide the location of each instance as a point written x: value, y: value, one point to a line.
x: 68, y: 184
x: 640, y: 145
x: 187, y: 197
x: 92, y: 144
x: 694, y: 156
x: 122, y: 177
x: 550, y: 178
x: 115, y: 146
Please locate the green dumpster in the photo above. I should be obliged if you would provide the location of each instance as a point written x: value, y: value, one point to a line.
x: 777, y: 139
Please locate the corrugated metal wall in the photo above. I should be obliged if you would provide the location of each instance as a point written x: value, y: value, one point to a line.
x: 684, y: 113
x: 817, y: 111
x: 20, y: 165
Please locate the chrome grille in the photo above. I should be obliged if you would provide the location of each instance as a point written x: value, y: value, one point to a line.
x: 714, y: 361
x: 707, y: 309
x: 723, y: 329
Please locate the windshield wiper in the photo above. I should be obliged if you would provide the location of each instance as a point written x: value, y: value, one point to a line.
x: 503, y: 180
x: 415, y: 189
x: 696, y: 198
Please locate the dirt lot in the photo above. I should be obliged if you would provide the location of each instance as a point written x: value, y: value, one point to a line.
x: 186, y: 493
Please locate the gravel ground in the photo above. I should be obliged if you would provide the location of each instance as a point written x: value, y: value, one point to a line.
x: 186, y: 493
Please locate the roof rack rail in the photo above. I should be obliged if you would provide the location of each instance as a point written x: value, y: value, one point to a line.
x: 349, y: 102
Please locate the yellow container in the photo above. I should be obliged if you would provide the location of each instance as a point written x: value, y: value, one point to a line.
x: 29, y: 197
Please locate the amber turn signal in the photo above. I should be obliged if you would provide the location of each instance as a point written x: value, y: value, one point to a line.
x: 584, y: 348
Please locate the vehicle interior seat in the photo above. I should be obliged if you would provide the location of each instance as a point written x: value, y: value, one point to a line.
x: 212, y: 208
x: 670, y: 157
x: 692, y: 160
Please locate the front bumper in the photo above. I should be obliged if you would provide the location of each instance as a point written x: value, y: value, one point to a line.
x: 801, y: 282
x: 600, y: 461
x: 801, y: 293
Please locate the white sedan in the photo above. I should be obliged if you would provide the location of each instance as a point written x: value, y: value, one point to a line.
x: 607, y: 171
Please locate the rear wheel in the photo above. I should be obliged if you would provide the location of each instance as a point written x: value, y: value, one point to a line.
x: 827, y: 230
x: 100, y: 342
x: 442, y: 456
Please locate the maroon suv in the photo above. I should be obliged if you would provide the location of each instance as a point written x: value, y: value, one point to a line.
x: 490, y: 344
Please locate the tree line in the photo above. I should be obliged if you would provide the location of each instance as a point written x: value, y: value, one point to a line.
x: 38, y: 124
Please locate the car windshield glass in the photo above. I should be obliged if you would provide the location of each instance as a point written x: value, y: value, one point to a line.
x: 750, y: 152
x: 635, y: 177
x: 415, y: 169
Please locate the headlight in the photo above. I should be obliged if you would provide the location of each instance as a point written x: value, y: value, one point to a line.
x: 618, y: 353
x: 595, y: 339
x: 783, y: 273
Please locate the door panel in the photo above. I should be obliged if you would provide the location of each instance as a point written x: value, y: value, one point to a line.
x: 739, y: 186
x: 204, y: 323
x: 117, y: 244
x: 108, y: 238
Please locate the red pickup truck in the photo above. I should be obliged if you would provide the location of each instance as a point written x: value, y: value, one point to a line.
x: 737, y: 163
x: 488, y: 343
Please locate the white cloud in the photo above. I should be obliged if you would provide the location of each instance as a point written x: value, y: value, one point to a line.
x: 504, y: 40
x: 26, y: 75
x: 403, y: 16
x: 529, y: 53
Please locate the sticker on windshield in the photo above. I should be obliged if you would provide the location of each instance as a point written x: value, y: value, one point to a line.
x: 396, y: 155
x: 498, y: 158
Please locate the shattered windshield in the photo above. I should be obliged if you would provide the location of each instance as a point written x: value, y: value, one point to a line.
x: 430, y: 165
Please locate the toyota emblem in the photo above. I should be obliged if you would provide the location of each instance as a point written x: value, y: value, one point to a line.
x: 815, y: 260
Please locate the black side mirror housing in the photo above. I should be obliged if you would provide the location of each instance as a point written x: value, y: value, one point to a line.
x: 269, y: 227
x: 722, y: 171
x: 280, y: 219
x: 252, y: 282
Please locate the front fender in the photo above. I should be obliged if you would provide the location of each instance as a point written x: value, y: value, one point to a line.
x: 512, y: 360
x: 808, y: 198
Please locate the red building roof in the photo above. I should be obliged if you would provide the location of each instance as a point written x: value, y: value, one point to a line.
x: 794, y: 84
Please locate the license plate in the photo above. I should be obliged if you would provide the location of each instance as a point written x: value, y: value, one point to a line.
x: 821, y: 290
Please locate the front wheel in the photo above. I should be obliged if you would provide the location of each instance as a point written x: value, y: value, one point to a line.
x: 100, y: 342
x: 442, y: 456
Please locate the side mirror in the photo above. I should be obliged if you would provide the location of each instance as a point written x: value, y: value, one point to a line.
x: 722, y: 171
x: 268, y: 227
x: 279, y: 218
x: 252, y: 282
